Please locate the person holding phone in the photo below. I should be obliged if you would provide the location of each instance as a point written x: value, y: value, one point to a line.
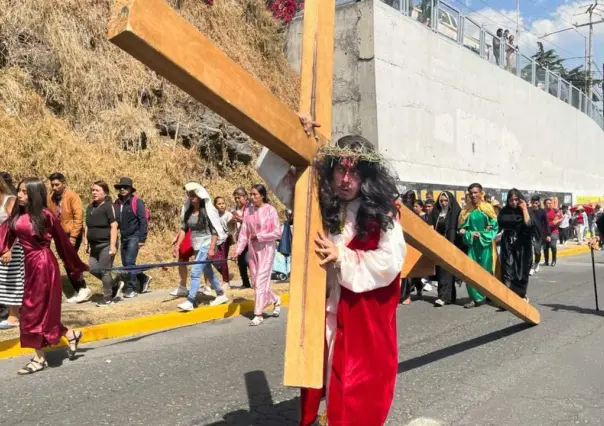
x: 517, y: 222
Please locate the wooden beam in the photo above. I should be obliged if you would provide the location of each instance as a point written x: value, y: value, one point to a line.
x: 152, y: 32
x: 448, y: 256
x: 305, y: 337
x: 417, y: 265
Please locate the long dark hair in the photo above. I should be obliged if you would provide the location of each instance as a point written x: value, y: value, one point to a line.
x: 36, y: 203
x: 8, y: 179
x: 378, y: 190
x: 409, y: 198
x: 202, y: 217
x: 262, y: 191
x: 511, y: 193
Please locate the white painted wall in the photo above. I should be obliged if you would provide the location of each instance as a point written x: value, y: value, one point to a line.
x: 444, y: 115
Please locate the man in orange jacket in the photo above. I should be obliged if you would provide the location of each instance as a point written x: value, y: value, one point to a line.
x: 66, y: 205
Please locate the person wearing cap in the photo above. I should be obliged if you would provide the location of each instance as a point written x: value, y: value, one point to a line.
x: 66, y: 205
x: 132, y: 221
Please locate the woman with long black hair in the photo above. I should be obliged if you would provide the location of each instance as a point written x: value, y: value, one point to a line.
x: 35, y: 226
x: 259, y: 232
x: 201, y: 218
x: 517, y: 223
x: 444, y: 217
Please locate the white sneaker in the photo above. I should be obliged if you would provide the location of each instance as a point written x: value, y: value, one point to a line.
x: 532, y: 271
x: 186, y: 306
x: 220, y: 300
x: 73, y: 299
x: 5, y: 325
x: 83, y: 295
x: 179, y: 291
x: 428, y: 287
x: 205, y: 290
x: 537, y: 269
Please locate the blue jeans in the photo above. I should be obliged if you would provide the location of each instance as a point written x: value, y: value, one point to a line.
x: 208, y: 272
x: 129, y: 252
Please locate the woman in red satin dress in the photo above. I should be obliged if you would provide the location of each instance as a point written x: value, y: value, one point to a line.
x: 35, y: 226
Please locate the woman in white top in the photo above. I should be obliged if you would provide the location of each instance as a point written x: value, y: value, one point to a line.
x: 12, y: 274
x: 202, y: 219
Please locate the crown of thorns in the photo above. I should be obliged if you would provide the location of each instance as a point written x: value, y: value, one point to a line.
x: 355, y: 155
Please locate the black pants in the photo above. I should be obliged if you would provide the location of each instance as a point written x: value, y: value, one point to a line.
x: 242, y: 264
x: 80, y: 283
x: 408, y: 285
x: 547, y: 245
x: 563, y: 235
x: 446, y: 285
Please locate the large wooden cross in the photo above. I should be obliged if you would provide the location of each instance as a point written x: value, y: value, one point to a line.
x: 154, y: 33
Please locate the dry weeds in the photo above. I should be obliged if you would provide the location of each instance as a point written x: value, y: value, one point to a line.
x: 70, y: 101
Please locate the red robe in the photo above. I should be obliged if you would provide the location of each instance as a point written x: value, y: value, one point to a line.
x: 40, y: 315
x: 365, y: 357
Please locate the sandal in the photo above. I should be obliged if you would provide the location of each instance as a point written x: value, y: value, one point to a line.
x: 277, y: 308
x: 75, y: 341
x: 256, y: 321
x: 33, y: 366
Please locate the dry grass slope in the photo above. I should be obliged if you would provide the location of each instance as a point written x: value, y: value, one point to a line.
x: 70, y: 101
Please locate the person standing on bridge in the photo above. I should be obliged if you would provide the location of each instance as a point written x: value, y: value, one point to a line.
x: 364, y: 252
x: 478, y: 228
x: 517, y: 223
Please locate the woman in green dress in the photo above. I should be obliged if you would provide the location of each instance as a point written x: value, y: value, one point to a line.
x: 478, y: 228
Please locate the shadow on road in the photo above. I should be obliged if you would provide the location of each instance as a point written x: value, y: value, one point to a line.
x: 570, y: 308
x: 263, y: 411
x: 422, y: 360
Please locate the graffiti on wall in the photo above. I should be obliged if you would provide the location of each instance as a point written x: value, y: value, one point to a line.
x: 427, y: 191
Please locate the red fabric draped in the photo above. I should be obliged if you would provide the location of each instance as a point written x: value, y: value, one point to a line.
x: 40, y: 314
x: 365, y: 355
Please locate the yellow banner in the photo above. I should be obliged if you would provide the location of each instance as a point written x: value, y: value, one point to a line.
x: 590, y: 199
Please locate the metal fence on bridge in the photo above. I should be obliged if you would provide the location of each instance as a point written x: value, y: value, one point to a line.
x: 452, y: 23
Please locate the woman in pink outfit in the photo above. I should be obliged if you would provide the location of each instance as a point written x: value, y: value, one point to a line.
x: 259, y: 231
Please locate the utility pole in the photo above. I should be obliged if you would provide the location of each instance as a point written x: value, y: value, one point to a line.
x: 590, y: 53
x: 517, y: 23
x: 591, y: 46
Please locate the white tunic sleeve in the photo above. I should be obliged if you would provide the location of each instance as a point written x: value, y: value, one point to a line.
x: 278, y: 175
x: 362, y: 271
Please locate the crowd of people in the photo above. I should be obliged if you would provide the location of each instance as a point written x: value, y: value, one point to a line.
x: 505, y: 39
x: 514, y: 237
x: 31, y: 217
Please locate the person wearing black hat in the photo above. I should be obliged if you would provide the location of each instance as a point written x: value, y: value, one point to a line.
x: 133, y: 224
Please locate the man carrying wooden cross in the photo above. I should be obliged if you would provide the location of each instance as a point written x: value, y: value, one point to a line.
x: 363, y: 252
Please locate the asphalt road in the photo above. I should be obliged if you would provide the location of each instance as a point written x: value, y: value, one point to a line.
x: 458, y: 367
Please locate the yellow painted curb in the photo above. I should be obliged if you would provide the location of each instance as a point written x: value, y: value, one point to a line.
x: 573, y: 251
x: 130, y: 327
